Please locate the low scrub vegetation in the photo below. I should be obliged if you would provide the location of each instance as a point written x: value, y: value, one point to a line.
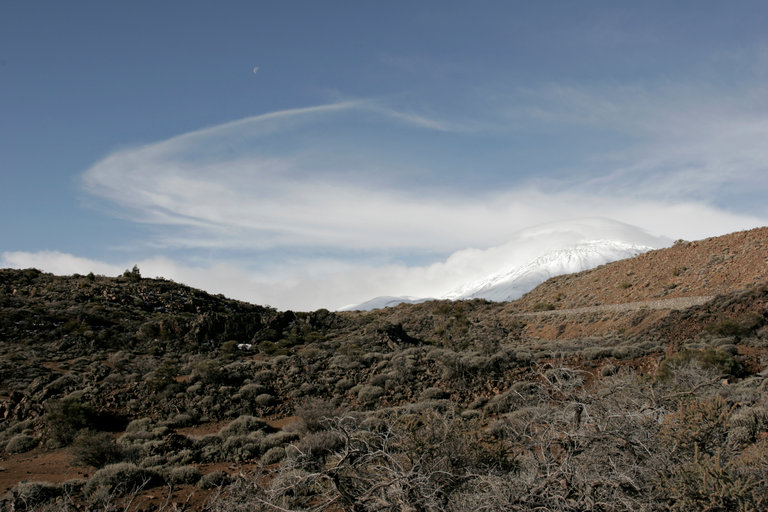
x: 444, y: 406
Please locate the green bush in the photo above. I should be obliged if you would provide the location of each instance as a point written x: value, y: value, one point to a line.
x: 95, y: 449
x: 210, y: 448
x: 593, y: 353
x: 153, y: 461
x: 315, y: 414
x: 503, y: 402
x: 184, y: 457
x: 264, y: 400
x: 738, y: 327
x: 264, y: 377
x: 209, y: 372
x: 140, y: 424
x: 180, y: 420
x: 251, y: 391
x: 318, y: 444
x: 65, y: 418
x: 241, y: 448
x: 747, y: 424
x: 163, y: 379
x: 133, y: 274
x: 278, y: 439
x: 271, y: 348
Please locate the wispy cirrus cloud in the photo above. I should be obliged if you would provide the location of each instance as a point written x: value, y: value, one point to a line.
x: 682, y: 142
x: 231, y: 182
x: 333, y: 177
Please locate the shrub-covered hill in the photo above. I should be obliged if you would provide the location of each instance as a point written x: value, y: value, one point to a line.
x: 116, y: 391
x: 96, y: 312
x: 52, y: 318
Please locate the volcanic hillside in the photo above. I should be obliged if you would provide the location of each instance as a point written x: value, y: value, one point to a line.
x: 627, y: 297
x: 639, y: 385
x: 688, y: 269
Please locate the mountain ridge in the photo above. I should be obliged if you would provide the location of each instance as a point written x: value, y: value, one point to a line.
x: 514, y: 281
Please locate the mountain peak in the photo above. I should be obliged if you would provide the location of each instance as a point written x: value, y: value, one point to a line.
x: 514, y: 281
x: 532, y: 256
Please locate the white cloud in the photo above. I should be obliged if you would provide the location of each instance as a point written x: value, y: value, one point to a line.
x: 261, y: 200
x: 311, y: 283
x: 224, y: 187
x: 58, y: 263
x: 337, y: 180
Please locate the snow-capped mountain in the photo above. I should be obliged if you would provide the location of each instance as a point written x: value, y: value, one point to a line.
x: 512, y: 283
x: 384, y: 301
x: 531, y: 257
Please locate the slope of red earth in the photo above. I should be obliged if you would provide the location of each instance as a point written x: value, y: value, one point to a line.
x: 630, y: 296
x: 711, y: 266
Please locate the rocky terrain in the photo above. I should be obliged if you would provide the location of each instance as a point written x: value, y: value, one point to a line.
x: 638, y: 385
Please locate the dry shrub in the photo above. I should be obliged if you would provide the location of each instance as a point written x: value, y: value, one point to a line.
x: 316, y: 414
x: 121, y: 478
x: 698, y: 426
x: 21, y: 443
x: 29, y: 495
x: 183, y: 475
x: 242, y: 426
x: 708, y: 483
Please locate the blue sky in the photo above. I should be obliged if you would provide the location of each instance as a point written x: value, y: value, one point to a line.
x: 308, y: 154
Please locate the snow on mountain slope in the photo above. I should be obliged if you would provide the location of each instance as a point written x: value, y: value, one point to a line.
x: 385, y: 301
x: 532, y: 256
x: 512, y: 283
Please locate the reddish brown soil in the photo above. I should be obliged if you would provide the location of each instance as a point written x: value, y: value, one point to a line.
x: 38, y: 465
x: 54, y: 466
x: 706, y: 267
x: 625, y: 319
x: 200, y: 431
x: 630, y: 296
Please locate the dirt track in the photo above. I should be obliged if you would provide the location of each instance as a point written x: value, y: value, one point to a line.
x: 676, y: 303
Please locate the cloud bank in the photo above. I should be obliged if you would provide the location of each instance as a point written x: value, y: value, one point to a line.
x: 307, y: 284
x: 299, y: 284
